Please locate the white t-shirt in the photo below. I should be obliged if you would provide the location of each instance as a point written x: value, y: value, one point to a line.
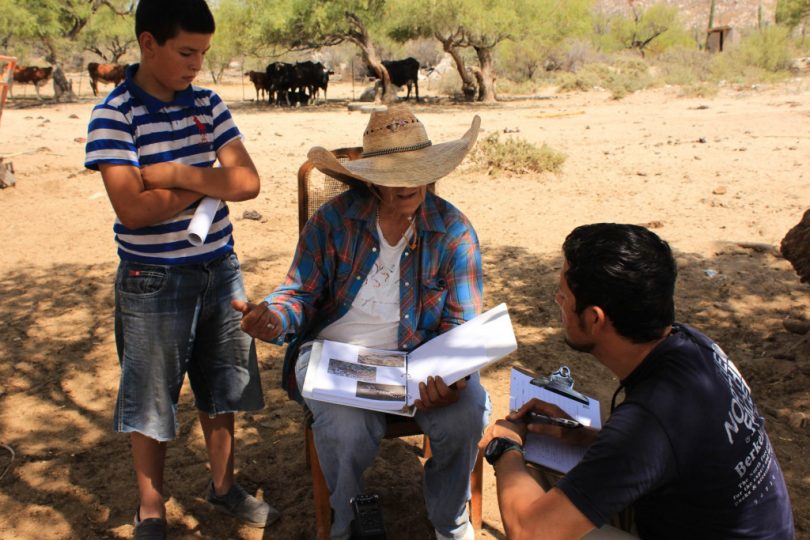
x: 373, y: 318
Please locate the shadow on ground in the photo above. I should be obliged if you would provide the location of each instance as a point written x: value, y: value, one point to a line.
x: 60, y: 377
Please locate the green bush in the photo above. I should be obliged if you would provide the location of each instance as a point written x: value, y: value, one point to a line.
x: 684, y: 66
x: 525, y: 87
x: 768, y: 49
x: 625, y: 76
x: 659, y: 23
x: 699, y: 90
x: 628, y: 76
x: 590, y: 76
x: 516, y: 155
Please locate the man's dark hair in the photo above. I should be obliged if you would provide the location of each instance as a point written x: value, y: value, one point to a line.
x: 626, y: 270
x: 165, y: 18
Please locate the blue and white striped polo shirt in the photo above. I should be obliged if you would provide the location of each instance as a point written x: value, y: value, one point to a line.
x: 132, y: 127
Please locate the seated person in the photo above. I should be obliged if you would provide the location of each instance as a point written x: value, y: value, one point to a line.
x: 686, y: 447
x: 389, y: 265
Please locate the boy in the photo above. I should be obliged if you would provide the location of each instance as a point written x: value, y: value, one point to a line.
x: 155, y: 139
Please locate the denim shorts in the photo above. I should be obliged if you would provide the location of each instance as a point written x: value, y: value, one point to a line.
x: 176, y: 319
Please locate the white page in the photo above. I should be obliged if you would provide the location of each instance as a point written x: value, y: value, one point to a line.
x: 544, y: 450
x: 463, y: 350
x: 201, y: 221
x: 356, y: 376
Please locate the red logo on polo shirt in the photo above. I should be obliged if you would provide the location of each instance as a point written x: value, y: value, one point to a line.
x: 201, y: 129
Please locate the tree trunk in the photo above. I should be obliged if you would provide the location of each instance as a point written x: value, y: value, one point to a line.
x: 485, y: 75
x: 359, y: 36
x: 468, y: 86
x: 61, y: 85
x: 452, y: 43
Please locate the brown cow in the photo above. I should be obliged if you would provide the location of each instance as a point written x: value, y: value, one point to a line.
x: 106, y: 73
x: 259, y: 80
x: 35, y: 75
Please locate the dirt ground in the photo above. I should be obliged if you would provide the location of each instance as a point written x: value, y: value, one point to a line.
x: 722, y: 179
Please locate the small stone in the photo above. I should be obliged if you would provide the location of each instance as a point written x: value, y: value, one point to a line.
x: 796, y: 326
x: 251, y: 214
x: 653, y: 224
x: 719, y: 190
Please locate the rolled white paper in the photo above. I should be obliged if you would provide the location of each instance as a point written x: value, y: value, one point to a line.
x: 201, y: 221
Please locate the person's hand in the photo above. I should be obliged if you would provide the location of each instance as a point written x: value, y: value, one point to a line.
x: 515, y: 431
x: 582, y: 436
x: 258, y: 321
x: 161, y: 175
x: 435, y: 393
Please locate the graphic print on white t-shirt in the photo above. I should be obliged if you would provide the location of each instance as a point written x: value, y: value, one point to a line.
x: 373, y: 318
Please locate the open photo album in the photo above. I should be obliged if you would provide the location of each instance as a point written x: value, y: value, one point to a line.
x: 388, y: 381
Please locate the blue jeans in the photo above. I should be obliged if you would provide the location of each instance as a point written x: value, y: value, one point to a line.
x: 347, y: 440
x: 173, y: 319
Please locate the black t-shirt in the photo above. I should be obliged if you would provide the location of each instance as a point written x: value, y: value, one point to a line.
x: 688, y: 449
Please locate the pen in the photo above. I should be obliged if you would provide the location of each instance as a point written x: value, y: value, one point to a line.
x: 532, y: 417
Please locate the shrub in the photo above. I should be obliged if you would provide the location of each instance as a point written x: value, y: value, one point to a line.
x: 628, y: 76
x: 699, y: 90
x: 506, y: 86
x: 684, y: 66
x: 768, y: 49
x: 516, y: 155
x: 588, y: 77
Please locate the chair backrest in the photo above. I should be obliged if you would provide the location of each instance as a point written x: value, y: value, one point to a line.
x: 315, y: 187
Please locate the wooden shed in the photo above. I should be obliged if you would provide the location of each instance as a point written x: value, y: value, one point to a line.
x: 717, y: 38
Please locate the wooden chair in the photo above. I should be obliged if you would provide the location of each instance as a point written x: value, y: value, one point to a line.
x: 314, y: 189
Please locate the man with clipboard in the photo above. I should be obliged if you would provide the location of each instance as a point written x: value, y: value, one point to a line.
x: 686, y: 447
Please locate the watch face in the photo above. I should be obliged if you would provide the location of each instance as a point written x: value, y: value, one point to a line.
x: 491, y: 449
x: 496, y: 447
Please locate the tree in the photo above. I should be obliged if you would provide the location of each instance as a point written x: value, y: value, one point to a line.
x: 56, y: 27
x: 792, y: 13
x: 458, y: 24
x: 14, y: 16
x: 232, y: 37
x: 313, y: 24
x: 655, y: 28
x: 440, y: 20
x: 109, y: 34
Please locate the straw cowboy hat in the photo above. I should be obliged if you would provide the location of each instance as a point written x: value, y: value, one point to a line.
x: 397, y: 152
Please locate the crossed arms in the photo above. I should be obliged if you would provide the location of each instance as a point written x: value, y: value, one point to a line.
x: 149, y: 195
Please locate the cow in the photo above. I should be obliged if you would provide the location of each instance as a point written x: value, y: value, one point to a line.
x: 37, y: 76
x: 106, y: 73
x: 297, y: 83
x: 313, y: 77
x: 279, y: 77
x: 402, y: 73
x: 259, y: 80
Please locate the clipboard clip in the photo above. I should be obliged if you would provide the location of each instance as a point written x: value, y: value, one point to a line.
x: 560, y: 382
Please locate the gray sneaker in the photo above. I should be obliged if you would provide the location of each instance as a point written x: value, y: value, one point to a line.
x: 243, y: 506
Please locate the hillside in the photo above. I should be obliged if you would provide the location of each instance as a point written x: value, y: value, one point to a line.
x: 695, y: 13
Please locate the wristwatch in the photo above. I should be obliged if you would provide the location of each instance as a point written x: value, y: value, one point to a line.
x: 498, y: 446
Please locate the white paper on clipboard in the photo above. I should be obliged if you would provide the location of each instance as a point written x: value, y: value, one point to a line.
x: 548, y: 451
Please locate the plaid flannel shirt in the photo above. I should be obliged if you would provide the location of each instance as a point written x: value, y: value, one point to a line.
x: 441, y: 280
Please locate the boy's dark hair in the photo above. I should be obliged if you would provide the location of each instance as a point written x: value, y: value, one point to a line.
x: 165, y: 18
x: 626, y: 270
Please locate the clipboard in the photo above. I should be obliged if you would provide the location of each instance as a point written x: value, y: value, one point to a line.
x: 561, y: 382
x: 549, y: 452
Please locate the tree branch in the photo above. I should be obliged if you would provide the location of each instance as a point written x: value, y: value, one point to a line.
x: 124, y: 13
